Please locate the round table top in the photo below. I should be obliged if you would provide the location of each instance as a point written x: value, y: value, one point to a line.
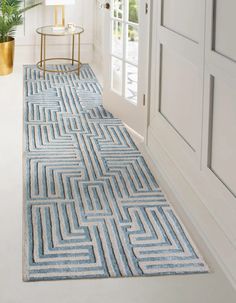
x: 51, y: 30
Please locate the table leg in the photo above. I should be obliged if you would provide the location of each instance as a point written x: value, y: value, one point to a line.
x: 44, y: 56
x: 73, y: 49
x: 78, y: 54
x: 41, y: 52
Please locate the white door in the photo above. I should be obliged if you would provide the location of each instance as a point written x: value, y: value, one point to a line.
x: 126, y: 61
x: 193, y: 109
x: 178, y: 76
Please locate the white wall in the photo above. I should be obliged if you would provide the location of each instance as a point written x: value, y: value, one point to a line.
x: 27, y: 41
x: 98, y: 33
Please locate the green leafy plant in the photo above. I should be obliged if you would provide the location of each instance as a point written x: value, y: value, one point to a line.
x: 133, y: 10
x: 12, y: 15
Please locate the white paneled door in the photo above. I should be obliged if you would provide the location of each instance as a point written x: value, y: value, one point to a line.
x: 126, y: 61
x: 178, y: 74
x: 193, y: 106
x: 219, y: 128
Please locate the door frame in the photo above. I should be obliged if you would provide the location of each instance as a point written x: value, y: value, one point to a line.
x: 144, y: 68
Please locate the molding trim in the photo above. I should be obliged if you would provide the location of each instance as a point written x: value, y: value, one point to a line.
x: 98, y: 55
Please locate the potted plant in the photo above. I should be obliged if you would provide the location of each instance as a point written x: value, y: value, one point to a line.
x: 11, y: 15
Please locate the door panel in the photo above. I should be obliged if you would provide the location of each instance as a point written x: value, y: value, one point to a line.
x: 183, y: 16
x: 225, y: 24
x: 180, y: 95
x: 219, y: 144
x: 223, y: 128
x: 126, y: 62
x: 178, y: 70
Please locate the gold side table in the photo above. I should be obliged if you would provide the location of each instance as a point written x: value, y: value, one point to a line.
x: 47, y: 31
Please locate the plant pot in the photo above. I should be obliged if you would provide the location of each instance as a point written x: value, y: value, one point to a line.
x: 7, y: 56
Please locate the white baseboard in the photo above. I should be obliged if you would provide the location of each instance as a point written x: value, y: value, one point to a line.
x: 186, y: 201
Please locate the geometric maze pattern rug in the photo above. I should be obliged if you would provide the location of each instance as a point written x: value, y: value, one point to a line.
x: 92, y: 208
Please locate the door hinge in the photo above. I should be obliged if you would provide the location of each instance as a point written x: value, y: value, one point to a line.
x: 144, y: 100
x: 146, y: 8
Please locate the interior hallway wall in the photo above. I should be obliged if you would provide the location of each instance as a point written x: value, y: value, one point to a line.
x: 98, y: 33
x: 28, y: 42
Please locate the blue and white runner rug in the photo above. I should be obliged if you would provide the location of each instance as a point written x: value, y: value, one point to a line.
x: 92, y: 208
